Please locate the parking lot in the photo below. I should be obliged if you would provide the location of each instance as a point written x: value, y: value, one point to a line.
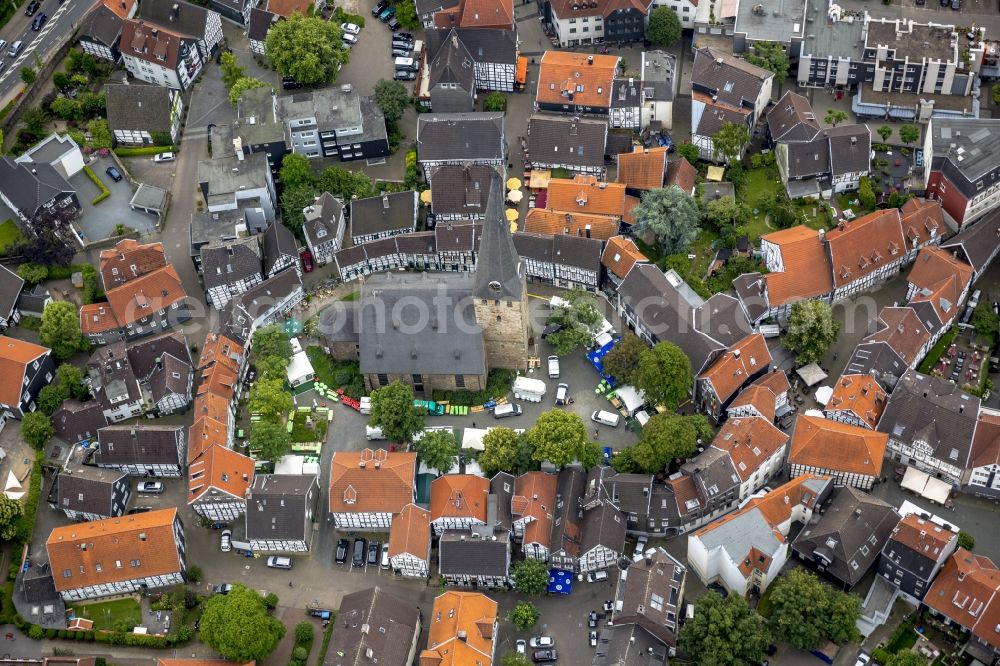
x: 98, y: 222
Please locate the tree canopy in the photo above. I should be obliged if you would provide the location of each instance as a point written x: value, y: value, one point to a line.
x: 71, y: 377
x: 394, y: 413
x: 622, y: 361
x: 270, y: 440
x: 807, y: 613
x: 664, y: 28
x: 688, y: 151
x: 438, y: 449
x: 36, y: 429
x: 772, y: 57
x: 308, y: 49
x: 728, y: 143
x: 271, y: 340
x: 834, y: 117
x: 500, y: 451
x: 530, y: 576
x: 667, y: 437
x: 10, y: 511
x: 238, y: 626
x: 909, y: 133
x: 672, y: 217
x: 724, y: 632
x: 577, y: 319
x: 393, y: 98
x: 524, y: 616
x: 561, y: 437
x: 811, y: 330
x: 243, y: 84
x: 664, y: 375
x: 906, y: 658
x: 60, y: 329
x: 269, y: 398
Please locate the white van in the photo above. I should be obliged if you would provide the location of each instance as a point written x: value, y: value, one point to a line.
x: 528, y: 388
x: 597, y: 576
x: 365, y: 405
x: 510, y: 409
x: 373, y: 433
x: 278, y: 562
x: 605, y: 418
x: 406, y: 63
x: 418, y: 48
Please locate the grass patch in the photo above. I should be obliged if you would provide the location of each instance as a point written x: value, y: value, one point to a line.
x: 105, y: 192
x: 764, y: 605
x: 327, y: 634
x: 353, y: 296
x: 762, y: 185
x: 937, y: 350
x: 904, y: 638
x: 336, y: 374
x: 10, y: 236
x: 109, y: 613
x: 498, y: 383
x: 139, y: 151
x: 302, y: 432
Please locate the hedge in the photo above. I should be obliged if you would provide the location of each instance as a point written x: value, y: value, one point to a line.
x: 143, y: 150
x: 26, y: 521
x: 105, y: 192
x: 183, y: 635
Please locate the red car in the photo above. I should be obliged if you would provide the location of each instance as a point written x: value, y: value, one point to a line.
x: 307, y: 262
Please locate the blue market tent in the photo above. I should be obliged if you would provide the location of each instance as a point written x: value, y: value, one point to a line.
x: 596, y: 358
x: 560, y: 582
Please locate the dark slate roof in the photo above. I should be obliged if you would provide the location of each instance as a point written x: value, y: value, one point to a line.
x: 567, y: 516
x: 629, y: 645
x: 603, y: 525
x: 37, y: 587
x: 279, y: 506
x: 577, y: 251
x: 278, y: 241
x: 30, y: 191
x: 144, y: 354
x: 460, y: 554
x: 534, y: 246
x: 138, y: 107
x: 461, y: 136
x: 338, y: 322
x: 977, y: 243
x: 750, y: 288
x: 486, y: 45
x: 453, y: 65
x: 499, y: 274
x: 809, y: 158
x: 623, y: 490
x: 462, y: 238
x: 713, y: 472
x: 966, y: 151
x: 102, y: 25
x: 792, y: 119
x: 190, y: 20
x: 878, y: 359
x: 139, y: 444
x: 658, y: 573
x: 389, y: 212
x: 944, y: 419
x: 625, y: 93
x: 235, y: 6
x: 460, y: 190
x: 433, y: 6
x: 322, y: 218
x: 10, y: 289
x: 232, y: 262
x: 850, y: 148
x: 573, y: 141
x: 445, y: 349
x: 253, y: 302
x: 260, y: 23
x: 736, y: 82
x: 170, y: 378
x: 714, y: 117
x: 78, y: 421
x: 502, y: 485
x: 87, y: 489
x: 847, y: 523
x: 392, y: 627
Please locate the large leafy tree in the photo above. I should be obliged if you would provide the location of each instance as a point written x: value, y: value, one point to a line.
x: 807, y: 612
x: 866, y: 195
x: 688, y: 151
x: 393, y: 98
x: 238, y: 626
x: 294, y: 200
x: 771, y: 56
x: 10, y: 511
x: 577, y: 317
x: 71, y: 377
x: 36, y: 429
x: 726, y: 212
x: 667, y: 437
x: 672, y: 217
x: 906, y: 658
x: 524, y: 616
x: 438, y: 449
x: 561, y: 437
x: 623, y: 359
x: 500, y: 451
x: 834, y: 117
x: 308, y: 49
x: 530, y: 576
x: 51, y: 397
x: 909, y: 133
x: 811, y: 330
x: 231, y: 70
x: 269, y: 398
x: 296, y: 171
x: 664, y: 374
x: 723, y: 632
x: 664, y: 27
x: 728, y: 143
x: 394, y: 413
x: 270, y: 440
x: 60, y: 329
x: 271, y: 340
x: 346, y: 184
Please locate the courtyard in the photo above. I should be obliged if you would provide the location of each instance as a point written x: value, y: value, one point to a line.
x: 100, y: 221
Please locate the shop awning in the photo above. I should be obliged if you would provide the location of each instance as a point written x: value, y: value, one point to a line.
x: 522, y: 70
x: 925, y: 485
x: 811, y: 374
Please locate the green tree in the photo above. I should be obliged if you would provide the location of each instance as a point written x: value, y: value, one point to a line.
x: 726, y: 215
x: 622, y: 361
x: 10, y: 512
x: 345, y: 183
x: 770, y: 56
x: 530, y: 576
x: 35, y: 119
x: 238, y: 626
x: 665, y: 438
x: 834, y: 117
x: 866, y: 195
x: 807, y: 612
x: 272, y: 367
x: 269, y: 398
x: 495, y: 101
x: 271, y: 340
x: 577, y: 319
x: 308, y: 49
x: 500, y: 449
x: 60, y: 329
x: 909, y: 133
x: 393, y: 98
x: 100, y: 135
x: 36, y: 429
x: 996, y: 94
x: 296, y: 171
x: 270, y: 440
x: 304, y: 633
x: 66, y: 108
x: 406, y: 14
x: 231, y: 70
x: 516, y: 659
x: 966, y: 540
x: 524, y: 616
x: 28, y: 75
x: 811, y: 330
x: 672, y: 217
x: 885, y: 132
x: 906, y: 658
x: 985, y: 320
x: 61, y: 80
x: 394, y: 413
x: 664, y: 28
x: 71, y: 377
x: 93, y: 105
x: 51, y: 397
x: 664, y: 375
x: 243, y: 84
x: 724, y: 632
x: 561, y: 437
x: 32, y: 273
x: 438, y: 449
x: 294, y: 200
x: 688, y: 151
x: 729, y: 142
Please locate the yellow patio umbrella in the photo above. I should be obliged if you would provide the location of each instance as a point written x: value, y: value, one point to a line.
x: 512, y: 214
x: 513, y: 184
x: 425, y: 196
x: 513, y: 227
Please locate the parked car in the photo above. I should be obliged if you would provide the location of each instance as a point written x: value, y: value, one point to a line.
x: 39, y: 21
x: 227, y: 540
x: 503, y: 411
x: 400, y: 53
x: 402, y: 44
x: 15, y: 48
x: 385, y: 556
x: 593, y: 639
x: 278, y: 562
x: 225, y: 588
x: 605, y: 417
x: 595, y: 576
x: 348, y: 38
x: 163, y: 157
x: 403, y: 35
x: 521, y: 646
x: 553, y: 367
x: 307, y: 261
x: 863, y: 660
x: 542, y: 642
x: 374, y: 550
x: 32, y: 8
x: 393, y: 24
x: 562, y: 394
x: 149, y: 486
x: 379, y: 7
x: 592, y: 619
x: 386, y: 14
x: 358, y: 558
x: 544, y: 656
x: 289, y: 83
x: 341, y: 555
x: 350, y: 28
x: 114, y: 173
x: 404, y: 76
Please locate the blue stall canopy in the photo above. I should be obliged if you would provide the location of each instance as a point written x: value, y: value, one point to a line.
x: 560, y: 582
x: 596, y: 358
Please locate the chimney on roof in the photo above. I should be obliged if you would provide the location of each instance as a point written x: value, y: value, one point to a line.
x: 590, y: 60
x: 385, y: 201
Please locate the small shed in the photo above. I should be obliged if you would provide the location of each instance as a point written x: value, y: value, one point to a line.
x: 149, y: 199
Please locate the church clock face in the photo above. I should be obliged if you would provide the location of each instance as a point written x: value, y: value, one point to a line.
x: 495, y: 286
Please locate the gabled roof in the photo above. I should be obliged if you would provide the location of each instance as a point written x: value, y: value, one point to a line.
x: 586, y: 195
x: 389, y: 212
x: 682, y: 174
x: 31, y: 186
x: 220, y: 349
x: 278, y: 242
x: 535, y: 497
x: 15, y: 355
x: 568, y: 250
x: 90, y: 490
x: 477, y: 14
x: 178, y: 15
x: 458, y: 137
x: 922, y: 220
x: 902, y: 330
x: 10, y: 290
x: 484, y: 45
x: 452, y: 65
x: 977, y: 243
x: 838, y: 447
x: 260, y: 23
x: 101, y: 25
x: 967, y: 591
x: 650, y: 594
x: 864, y: 245
x: 135, y: 299
x: 935, y: 268
x: 732, y: 369
x: 139, y: 445
x: 577, y: 142
x: 370, y: 481
x: 376, y: 623
x: 153, y: 43
x: 285, y: 8
x: 230, y: 263
x: 620, y: 254
x: 643, y: 168
x: 576, y: 78
x: 460, y: 190
x: 117, y: 549
x: 604, y: 526
x: 567, y: 525
x: 792, y: 119
x: 322, y: 219
x: 279, y: 507
x: 922, y: 536
x: 860, y: 396
x: 222, y: 469
x: 136, y: 107
x: 77, y: 421
x: 554, y: 222
x: 411, y: 533
x: 459, y: 496
x: 806, y: 266
x: 568, y: 9
x: 734, y: 81
x: 471, y: 613
x: 850, y: 148
x: 749, y: 441
x: 206, y: 432
x: 473, y: 553
x: 986, y: 442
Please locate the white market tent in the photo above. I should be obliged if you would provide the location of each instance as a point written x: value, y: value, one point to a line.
x: 811, y: 374
x: 632, y: 398
x: 472, y: 438
x: 300, y: 370
x: 925, y: 485
x: 823, y: 395
x: 13, y: 488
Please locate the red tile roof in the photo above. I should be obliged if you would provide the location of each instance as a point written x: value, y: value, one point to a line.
x: 472, y: 614
x: 837, y: 447
x: 287, y: 7
x: 862, y: 246
x: 902, y: 330
x: 921, y: 220
x: 923, y: 536
x: 15, y: 355
x: 588, y: 78
x: 552, y: 222
x: 806, y: 267
x: 682, y: 174
x: 967, y: 591
x: 749, y: 441
x: 986, y: 441
x: 759, y: 397
x: 620, y: 255
x: 535, y: 496
x: 643, y: 168
x: 497, y: 14
x: 123, y: 8
x: 128, y: 260
x: 370, y: 481
x: 221, y: 469
x: 411, y: 532
x: 732, y: 370
x: 459, y: 496
x: 859, y: 395
x: 205, y: 433
x: 146, y: 295
x: 586, y: 194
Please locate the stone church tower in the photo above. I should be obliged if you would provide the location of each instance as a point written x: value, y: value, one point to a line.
x: 500, y: 291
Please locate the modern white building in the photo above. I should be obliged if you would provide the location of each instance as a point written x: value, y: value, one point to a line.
x: 160, y: 56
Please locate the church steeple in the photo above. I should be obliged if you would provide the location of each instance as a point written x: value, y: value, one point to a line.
x: 499, y: 275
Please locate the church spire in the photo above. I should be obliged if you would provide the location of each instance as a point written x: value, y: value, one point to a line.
x: 498, y: 267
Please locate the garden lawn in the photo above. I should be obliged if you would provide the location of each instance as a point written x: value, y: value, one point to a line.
x: 301, y: 432
x: 761, y: 185
x: 107, y: 613
x: 10, y: 235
